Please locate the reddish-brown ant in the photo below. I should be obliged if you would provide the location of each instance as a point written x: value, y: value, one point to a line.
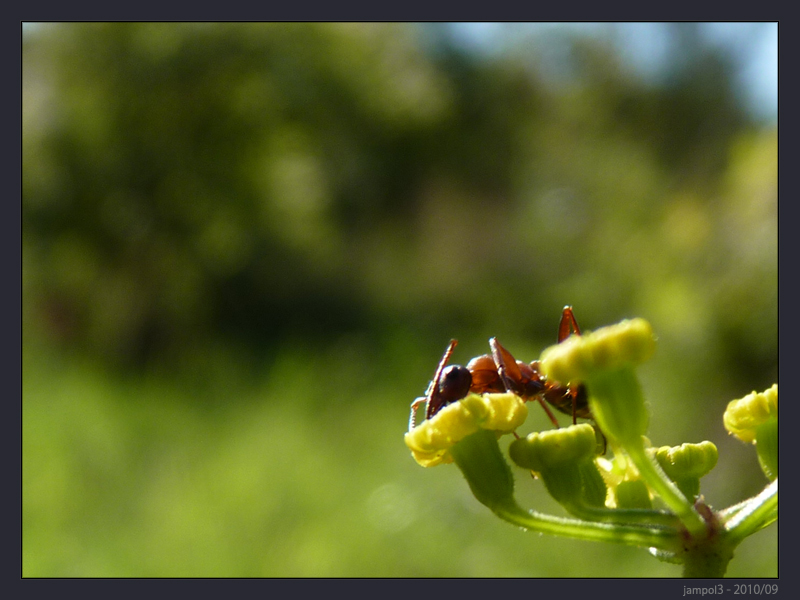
x: 501, y: 372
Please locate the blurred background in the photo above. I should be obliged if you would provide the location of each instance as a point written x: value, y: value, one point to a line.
x: 246, y: 246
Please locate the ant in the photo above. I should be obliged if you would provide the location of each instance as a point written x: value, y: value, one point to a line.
x: 501, y: 372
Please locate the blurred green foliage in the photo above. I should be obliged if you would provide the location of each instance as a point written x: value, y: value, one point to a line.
x: 245, y: 247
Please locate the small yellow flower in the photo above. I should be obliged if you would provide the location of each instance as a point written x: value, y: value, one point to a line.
x: 743, y: 417
x: 610, y: 348
x: 431, y: 441
x: 624, y: 481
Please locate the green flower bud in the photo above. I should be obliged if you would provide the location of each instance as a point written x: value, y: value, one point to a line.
x: 430, y: 442
x: 686, y: 464
x: 687, y: 460
x: 742, y: 417
x: 632, y: 494
x: 564, y: 459
x: 555, y: 448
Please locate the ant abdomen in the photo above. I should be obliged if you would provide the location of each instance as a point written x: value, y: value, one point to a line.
x: 454, y: 383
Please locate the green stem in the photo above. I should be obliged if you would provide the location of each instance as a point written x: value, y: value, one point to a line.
x: 754, y: 514
x: 617, y: 403
x: 658, y: 481
x: 650, y: 537
x: 625, y: 516
x: 708, y: 561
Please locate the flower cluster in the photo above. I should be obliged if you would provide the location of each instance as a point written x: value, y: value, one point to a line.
x: 615, y: 486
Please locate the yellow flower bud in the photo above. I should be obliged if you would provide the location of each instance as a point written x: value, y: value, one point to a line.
x: 629, y: 342
x: 431, y: 441
x: 743, y: 417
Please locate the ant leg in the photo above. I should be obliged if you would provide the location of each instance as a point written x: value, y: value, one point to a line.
x: 509, y: 373
x: 507, y: 368
x: 574, y: 406
x: 433, y: 387
x: 553, y: 420
x: 412, y: 420
x: 567, y: 325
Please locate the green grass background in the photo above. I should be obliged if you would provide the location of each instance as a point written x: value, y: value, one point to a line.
x: 128, y: 478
